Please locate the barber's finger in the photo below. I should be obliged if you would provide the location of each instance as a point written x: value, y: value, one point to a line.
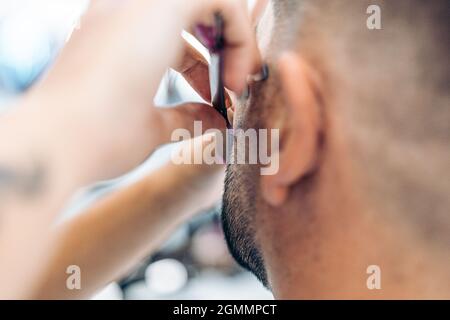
x: 240, y: 43
x: 233, y: 63
x: 241, y: 58
x: 230, y: 114
x: 184, y: 117
x: 194, y: 157
x: 199, y: 184
x: 194, y: 68
x: 189, y: 183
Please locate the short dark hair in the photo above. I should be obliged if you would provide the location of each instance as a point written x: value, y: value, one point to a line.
x: 392, y: 86
x: 238, y: 226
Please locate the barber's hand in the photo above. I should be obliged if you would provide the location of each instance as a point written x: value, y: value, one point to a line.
x: 136, y: 220
x: 99, y: 94
x: 189, y: 188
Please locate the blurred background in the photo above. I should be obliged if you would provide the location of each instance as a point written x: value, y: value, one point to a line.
x: 194, y: 263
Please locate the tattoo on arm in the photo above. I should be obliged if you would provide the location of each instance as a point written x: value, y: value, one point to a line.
x: 25, y: 183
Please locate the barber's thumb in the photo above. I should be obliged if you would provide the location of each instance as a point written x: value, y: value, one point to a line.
x: 193, y: 117
x: 199, y: 176
x: 202, y: 154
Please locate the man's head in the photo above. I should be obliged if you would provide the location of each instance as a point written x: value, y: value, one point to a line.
x: 364, y: 123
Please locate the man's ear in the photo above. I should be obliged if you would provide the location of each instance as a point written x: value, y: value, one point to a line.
x: 301, y: 127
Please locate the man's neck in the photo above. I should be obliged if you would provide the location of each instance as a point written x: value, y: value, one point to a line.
x: 335, y: 248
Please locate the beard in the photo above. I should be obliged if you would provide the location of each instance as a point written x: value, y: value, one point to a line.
x: 238, y: 210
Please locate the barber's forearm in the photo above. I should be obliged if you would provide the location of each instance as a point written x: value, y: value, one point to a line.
x: 36, y: 179
x: 38, y: 162
x: 110, y: 238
